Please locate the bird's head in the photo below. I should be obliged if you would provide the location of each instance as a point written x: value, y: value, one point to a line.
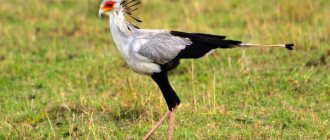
x: 107, y: 6
x: 121, y: 6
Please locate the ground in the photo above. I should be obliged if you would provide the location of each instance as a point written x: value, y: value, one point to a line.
x: 61, y: 77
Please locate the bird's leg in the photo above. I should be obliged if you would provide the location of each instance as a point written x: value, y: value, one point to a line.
x: 171, y: 128
x: 170, y: 96
x: 153, y: 130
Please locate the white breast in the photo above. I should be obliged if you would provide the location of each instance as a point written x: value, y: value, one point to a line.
x: 147, y: 68
x: 135, y: 61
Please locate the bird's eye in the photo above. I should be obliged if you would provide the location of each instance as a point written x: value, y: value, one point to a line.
x: 109, y: 4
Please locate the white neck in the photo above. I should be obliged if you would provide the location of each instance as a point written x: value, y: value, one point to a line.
x: 120, y: 28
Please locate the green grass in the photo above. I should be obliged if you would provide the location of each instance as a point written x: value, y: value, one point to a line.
x: 61, y: 76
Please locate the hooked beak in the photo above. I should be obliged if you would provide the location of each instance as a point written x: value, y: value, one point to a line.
x: 101, y: 10
x: 100, y: 13
x: 104, y: 10
x: 106, y: 7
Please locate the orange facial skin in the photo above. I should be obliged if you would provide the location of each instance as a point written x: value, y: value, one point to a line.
x: 108, y: 6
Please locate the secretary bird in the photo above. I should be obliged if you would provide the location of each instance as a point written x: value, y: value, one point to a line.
x: 155, y: 52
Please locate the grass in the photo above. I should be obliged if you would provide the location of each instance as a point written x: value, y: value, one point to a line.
x: 61, y: 76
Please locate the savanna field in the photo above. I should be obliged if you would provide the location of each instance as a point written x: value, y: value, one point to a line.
x: 61, y: 76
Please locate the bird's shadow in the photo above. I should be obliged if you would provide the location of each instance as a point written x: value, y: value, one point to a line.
x: 131, y: 114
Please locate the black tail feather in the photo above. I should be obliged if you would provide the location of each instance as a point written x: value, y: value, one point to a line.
x: 209, y: 35
x: 203, y: 43
x: 289, y: 46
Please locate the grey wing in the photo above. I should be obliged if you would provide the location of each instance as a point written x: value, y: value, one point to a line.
x: 162, y: 47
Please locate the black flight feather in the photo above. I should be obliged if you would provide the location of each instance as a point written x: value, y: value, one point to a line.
x: 202, y: 44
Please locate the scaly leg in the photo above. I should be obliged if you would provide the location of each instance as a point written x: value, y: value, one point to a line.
x: 153, y: 130
x: 170, y: 133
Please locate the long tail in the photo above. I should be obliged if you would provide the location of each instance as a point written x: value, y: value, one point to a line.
x: 287, y: 46
x: 204, y: 43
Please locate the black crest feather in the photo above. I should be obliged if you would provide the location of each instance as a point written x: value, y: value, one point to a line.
x: 129, y: 7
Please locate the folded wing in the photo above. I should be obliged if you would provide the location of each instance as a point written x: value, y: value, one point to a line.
x: 162, y: 47
x: 165, y: 46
